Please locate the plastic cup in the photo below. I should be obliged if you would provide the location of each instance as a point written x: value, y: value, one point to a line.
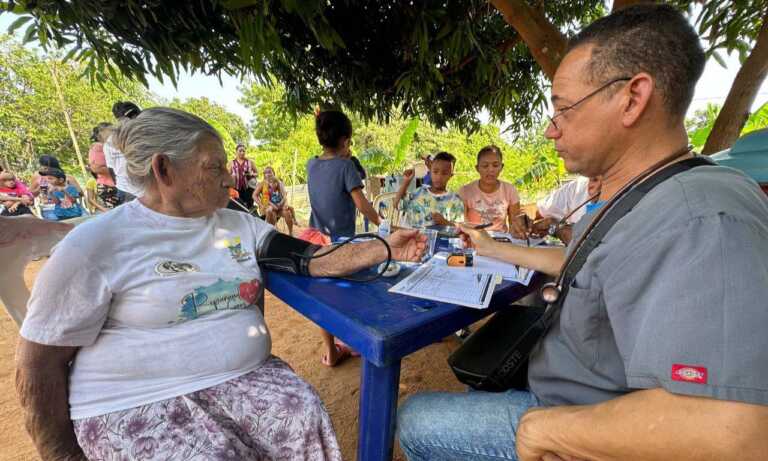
x: 431, y: 235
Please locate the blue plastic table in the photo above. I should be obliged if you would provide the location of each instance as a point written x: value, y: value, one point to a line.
x: 384, y: 328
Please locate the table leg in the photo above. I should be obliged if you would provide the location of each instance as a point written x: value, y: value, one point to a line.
x: 378, y: 408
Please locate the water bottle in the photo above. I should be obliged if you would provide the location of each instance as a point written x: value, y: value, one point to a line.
x: 384, y: 228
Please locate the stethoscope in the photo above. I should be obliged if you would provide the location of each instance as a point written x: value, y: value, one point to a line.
x: 552, y: 291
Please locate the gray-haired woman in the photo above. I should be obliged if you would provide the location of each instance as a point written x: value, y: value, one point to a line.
x: 145, y: 337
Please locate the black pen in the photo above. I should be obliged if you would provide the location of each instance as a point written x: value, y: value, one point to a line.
x: 483, y: 226
x: 527, y: 224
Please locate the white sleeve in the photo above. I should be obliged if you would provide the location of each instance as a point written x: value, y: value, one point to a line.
x: 556, y: 204
x: 109, y: 153
x: 260, y: 229
x: 70, y: 299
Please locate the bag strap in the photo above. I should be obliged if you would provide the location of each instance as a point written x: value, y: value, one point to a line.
x: 617, y: 210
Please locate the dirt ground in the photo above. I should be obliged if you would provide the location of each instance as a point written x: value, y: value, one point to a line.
x: 295, y: 339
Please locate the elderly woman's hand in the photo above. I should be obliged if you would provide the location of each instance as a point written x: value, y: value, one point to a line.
x: 407, y: 245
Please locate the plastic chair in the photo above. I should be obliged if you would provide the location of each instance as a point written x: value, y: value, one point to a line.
x: 13, y: 291
x: 385, y: 207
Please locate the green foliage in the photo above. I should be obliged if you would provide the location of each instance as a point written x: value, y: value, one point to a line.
x: 32, y: 122
x: 31, y: 119
x: 377, y: 161
x: 270, y: 120
x: 230, y: 126
x: 703, y: 120
x: 729, y: 26
x: 405, y: 141
x: 443, y: 61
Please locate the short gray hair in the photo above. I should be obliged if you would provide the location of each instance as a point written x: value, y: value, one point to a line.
x: 159, y: 130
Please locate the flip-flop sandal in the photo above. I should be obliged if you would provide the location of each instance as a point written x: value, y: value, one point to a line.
x: 343, y: 354
x: 342, y: 345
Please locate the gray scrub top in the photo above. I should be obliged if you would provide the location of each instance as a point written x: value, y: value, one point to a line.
x: 675, y: 296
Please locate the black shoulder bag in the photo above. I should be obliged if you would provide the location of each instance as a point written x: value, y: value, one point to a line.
x: 495, y: 357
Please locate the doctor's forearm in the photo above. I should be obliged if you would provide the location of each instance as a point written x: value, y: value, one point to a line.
x: 652, y: 425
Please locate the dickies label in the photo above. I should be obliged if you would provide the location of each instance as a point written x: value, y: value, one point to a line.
x: 689, y: 373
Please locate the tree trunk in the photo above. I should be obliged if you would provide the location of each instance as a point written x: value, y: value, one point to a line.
x: 619, y: 4
x: 745, y: 86
x: 546, y: 43
x: 67, y: 119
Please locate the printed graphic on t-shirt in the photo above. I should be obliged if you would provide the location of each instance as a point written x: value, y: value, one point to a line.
x: 235, y: 248
x: 490, y: 211
x: 222, y: 295
x: 167, y: 268
x: 420, y: 205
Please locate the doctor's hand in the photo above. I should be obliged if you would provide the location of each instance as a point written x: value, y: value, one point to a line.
x: 477, y: 239
x: 407, y: 245
x: 534, y: 440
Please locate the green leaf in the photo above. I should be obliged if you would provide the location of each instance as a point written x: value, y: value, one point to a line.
x: 17, y: 23
x: 719, y: 59
x: 29, y: 34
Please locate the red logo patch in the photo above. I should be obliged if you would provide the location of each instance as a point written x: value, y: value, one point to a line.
x: 689, y: 373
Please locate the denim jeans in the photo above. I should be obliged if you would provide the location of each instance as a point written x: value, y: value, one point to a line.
x: 462, y: 426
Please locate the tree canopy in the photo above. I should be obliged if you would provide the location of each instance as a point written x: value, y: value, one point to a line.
x: 443, y: 60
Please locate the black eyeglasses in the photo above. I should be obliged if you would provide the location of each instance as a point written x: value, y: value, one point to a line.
x: 567, y: 108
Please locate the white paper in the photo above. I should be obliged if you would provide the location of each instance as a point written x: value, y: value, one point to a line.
x: 443, y: 283
x: 486, y: 265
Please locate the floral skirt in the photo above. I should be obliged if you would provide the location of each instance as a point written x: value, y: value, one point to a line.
x: 267, y: 414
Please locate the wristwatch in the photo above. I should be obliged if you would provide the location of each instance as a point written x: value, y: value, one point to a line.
x: 552, y: 229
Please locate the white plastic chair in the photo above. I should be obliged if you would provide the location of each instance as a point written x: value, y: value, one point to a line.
x: 13, y: 291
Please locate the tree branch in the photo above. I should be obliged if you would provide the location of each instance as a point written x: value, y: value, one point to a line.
x: 742, y: 94
x: 546, y: 42
x: 503, y: 47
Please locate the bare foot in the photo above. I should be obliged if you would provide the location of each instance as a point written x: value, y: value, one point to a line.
x: 337, y: 355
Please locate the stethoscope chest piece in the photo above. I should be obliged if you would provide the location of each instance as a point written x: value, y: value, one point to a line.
x: 550, y: 292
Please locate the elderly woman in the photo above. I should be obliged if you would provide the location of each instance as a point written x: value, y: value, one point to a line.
x: 152, y: 343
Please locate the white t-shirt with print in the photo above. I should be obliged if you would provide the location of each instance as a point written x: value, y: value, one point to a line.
x: 160, y: 306
x: 565, y: 199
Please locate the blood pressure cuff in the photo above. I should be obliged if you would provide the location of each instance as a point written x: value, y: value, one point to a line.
x: 284, y: 253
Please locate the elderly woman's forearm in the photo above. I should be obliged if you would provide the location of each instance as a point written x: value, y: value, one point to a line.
x: 43, y: 393
x: 348, y: 259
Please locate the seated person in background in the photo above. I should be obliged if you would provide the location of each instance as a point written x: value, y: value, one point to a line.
x: 15, y: 198
x: 565, y: 206
x: 64, y: 196
x: 489, y: 200
x: 432, y: 204
x: 270, y: 197
x: 39, y: 185
x: 92, y: 200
